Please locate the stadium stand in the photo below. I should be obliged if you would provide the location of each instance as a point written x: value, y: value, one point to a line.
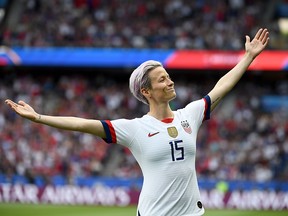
x: 180, y: 24
x: 244, y: 140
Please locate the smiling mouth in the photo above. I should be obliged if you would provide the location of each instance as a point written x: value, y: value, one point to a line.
x: 170, y: 90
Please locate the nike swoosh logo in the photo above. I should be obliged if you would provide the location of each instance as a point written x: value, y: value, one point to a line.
x: 152, y: 134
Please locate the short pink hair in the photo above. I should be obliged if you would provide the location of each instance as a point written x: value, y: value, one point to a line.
x: 139, y: 79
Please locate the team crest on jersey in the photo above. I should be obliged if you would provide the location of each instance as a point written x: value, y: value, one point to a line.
x: 172, y: 131
x: 186, y: 126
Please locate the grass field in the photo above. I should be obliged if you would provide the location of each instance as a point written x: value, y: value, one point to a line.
x: 59, y: 210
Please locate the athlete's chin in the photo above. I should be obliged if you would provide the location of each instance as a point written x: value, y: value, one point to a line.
x: 173, y: 96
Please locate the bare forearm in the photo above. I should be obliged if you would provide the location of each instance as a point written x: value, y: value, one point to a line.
x: 66, y: 123
x: 229, y: 80
x: 62, y: 122
x: 72, y: 123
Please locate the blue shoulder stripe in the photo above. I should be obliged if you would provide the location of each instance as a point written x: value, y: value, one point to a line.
x: 107, y: 132
x: 207, y: 107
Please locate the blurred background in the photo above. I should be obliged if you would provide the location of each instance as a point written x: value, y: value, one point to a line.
x: 74, y: 58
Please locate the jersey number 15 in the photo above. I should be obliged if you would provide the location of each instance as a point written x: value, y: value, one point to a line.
x: 176, y: 149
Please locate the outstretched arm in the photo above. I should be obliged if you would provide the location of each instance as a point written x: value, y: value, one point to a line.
x: 67, y: 123
x: 228, y: 81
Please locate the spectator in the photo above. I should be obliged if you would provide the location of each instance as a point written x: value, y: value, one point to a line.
x: 162, y: 24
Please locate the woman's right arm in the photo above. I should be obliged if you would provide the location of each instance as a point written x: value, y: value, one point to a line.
x: 62, y: 122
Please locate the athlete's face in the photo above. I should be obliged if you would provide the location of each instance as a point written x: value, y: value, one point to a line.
x: 162, y: 87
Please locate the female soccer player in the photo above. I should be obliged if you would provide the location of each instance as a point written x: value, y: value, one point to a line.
x: 163, y: 141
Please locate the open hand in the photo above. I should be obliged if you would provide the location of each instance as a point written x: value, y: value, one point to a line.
x: 259, y: 42
x: 23, y: 109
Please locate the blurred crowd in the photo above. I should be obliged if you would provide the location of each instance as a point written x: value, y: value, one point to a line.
x: 240, y: 141
x: 165, y: 24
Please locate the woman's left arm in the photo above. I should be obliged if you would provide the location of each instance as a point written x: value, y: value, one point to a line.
x: 229, y: 80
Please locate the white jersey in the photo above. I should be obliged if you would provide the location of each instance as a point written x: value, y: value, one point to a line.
x: 166, y: 154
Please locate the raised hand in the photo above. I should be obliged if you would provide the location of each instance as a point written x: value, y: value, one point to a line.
x: 23, y: 109
x: 259, y: 42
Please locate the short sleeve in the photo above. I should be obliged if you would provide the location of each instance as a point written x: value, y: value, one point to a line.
x: 121, y: 131
x: 199, y: 110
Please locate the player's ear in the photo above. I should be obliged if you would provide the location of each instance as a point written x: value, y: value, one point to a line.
x: 145, y: 92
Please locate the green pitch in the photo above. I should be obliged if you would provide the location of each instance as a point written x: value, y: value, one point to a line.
x: 59, y: 210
